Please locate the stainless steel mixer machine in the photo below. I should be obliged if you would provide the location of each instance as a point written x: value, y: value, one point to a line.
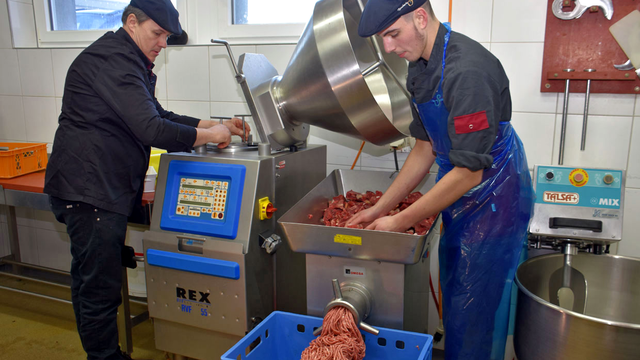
x: 577, y: 305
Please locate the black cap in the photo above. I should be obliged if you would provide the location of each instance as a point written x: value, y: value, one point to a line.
x: 162, y: 12
x: 380, y: 14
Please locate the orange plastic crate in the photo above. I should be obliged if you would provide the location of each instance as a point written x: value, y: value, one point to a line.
x: 21, y: 158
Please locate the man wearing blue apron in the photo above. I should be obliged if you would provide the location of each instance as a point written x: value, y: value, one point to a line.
x: 462, y: 113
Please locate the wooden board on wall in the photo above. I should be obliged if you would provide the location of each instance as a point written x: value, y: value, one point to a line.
x: 587, y: 43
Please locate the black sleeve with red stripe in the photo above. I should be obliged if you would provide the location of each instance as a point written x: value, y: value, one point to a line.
x: 476, y: 102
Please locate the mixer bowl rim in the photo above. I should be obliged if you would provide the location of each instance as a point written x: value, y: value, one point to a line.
x: 541, y: 301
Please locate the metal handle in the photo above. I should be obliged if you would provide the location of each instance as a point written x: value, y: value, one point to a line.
x: 243, y: 126
x: 580, y: 7
x: 239, y: 77
x: 586, y: 112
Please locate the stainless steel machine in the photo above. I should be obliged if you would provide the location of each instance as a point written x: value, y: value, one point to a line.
x: 583, y: 303
x: 215, y: 263
x: 381, y: 277
x: 208, y: 253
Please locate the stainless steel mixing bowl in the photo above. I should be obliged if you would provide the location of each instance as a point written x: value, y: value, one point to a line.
x: 610, y: 327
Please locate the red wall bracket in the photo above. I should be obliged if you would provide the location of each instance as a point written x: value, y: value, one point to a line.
x: 586, y: 43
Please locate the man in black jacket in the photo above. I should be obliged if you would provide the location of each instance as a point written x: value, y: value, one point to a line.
x: 110, y: 119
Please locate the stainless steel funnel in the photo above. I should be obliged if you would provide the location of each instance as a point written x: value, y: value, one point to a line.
x: 335, y: 80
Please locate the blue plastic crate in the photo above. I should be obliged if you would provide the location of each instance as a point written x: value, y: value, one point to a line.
x: 283, y: 336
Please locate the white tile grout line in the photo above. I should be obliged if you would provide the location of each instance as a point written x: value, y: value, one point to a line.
x: 634, y: 119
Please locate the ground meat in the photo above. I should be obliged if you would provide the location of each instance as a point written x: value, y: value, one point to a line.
x: 342, y: 208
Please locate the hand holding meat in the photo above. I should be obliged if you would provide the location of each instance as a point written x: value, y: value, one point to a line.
x: 390, y: 223
x: 356, y: 210
x: 364, y: 218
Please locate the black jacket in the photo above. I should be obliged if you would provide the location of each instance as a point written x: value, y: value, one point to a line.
x: 110, y: 119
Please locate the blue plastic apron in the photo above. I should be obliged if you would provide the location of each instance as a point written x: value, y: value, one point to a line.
x: 483, y: 235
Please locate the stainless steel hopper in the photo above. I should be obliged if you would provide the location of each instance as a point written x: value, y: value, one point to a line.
x: 304, y: 232
x: 335, y: 80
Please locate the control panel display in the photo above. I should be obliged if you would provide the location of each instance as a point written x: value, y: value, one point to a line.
x: 203, y: 198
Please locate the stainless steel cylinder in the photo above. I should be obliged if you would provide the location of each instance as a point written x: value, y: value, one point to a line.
x: 610, y: 326
x: 201, y: 150
x: 565, y: 113
x: 585, y: 116
x: 264, y: 149
x: 356, y: 298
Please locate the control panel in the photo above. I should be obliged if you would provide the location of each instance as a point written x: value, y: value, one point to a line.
x: 593, y: 188
x: 203, y: 198
x: 578, y: 203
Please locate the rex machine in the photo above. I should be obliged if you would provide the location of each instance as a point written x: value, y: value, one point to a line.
x: 216, y: 261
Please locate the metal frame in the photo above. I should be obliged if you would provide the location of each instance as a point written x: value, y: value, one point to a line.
x: 10, y: 199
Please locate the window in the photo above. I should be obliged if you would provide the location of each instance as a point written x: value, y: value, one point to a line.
x: 86, y: 14
x: 239, y: 21
x: 58, y: 21
x: 272, y: 12
x: 263, y: 21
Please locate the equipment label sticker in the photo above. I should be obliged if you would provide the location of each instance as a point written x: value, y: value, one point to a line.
x: 604, y: 214
x: 353, y: 271
x: 561, y: 197
x: 348, y: 239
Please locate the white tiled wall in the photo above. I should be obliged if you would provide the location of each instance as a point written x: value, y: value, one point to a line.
x: 61, y: 60
x: 22, y: 23
x: 5, y: 28
x: 199, y: 81
x: 10, y: 73
x: 36, y: 72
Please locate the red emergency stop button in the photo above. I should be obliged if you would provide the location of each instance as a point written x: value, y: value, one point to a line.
x: 578, y: 177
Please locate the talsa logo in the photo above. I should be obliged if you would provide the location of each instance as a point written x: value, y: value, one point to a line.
x: 609, y: 202
x: 192, y: 295
x: 560, y: 197
x: 408, y: 3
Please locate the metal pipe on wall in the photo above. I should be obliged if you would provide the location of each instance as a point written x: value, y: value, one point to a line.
x: 563, y: 127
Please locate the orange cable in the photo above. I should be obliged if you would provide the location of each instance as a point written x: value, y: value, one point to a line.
x: 450, y: 10
x: 439, y: 286
x: 439, y: 298
x: 357, y: 156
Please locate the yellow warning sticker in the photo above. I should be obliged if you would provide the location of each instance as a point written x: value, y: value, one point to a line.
x: 348, y: 239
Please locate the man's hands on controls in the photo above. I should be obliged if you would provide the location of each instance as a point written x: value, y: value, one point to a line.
x: 214, y: 132
x: 235, y: 126
x: 219, y: 134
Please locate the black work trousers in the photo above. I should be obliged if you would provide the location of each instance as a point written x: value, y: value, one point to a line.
x: 97, y: 238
